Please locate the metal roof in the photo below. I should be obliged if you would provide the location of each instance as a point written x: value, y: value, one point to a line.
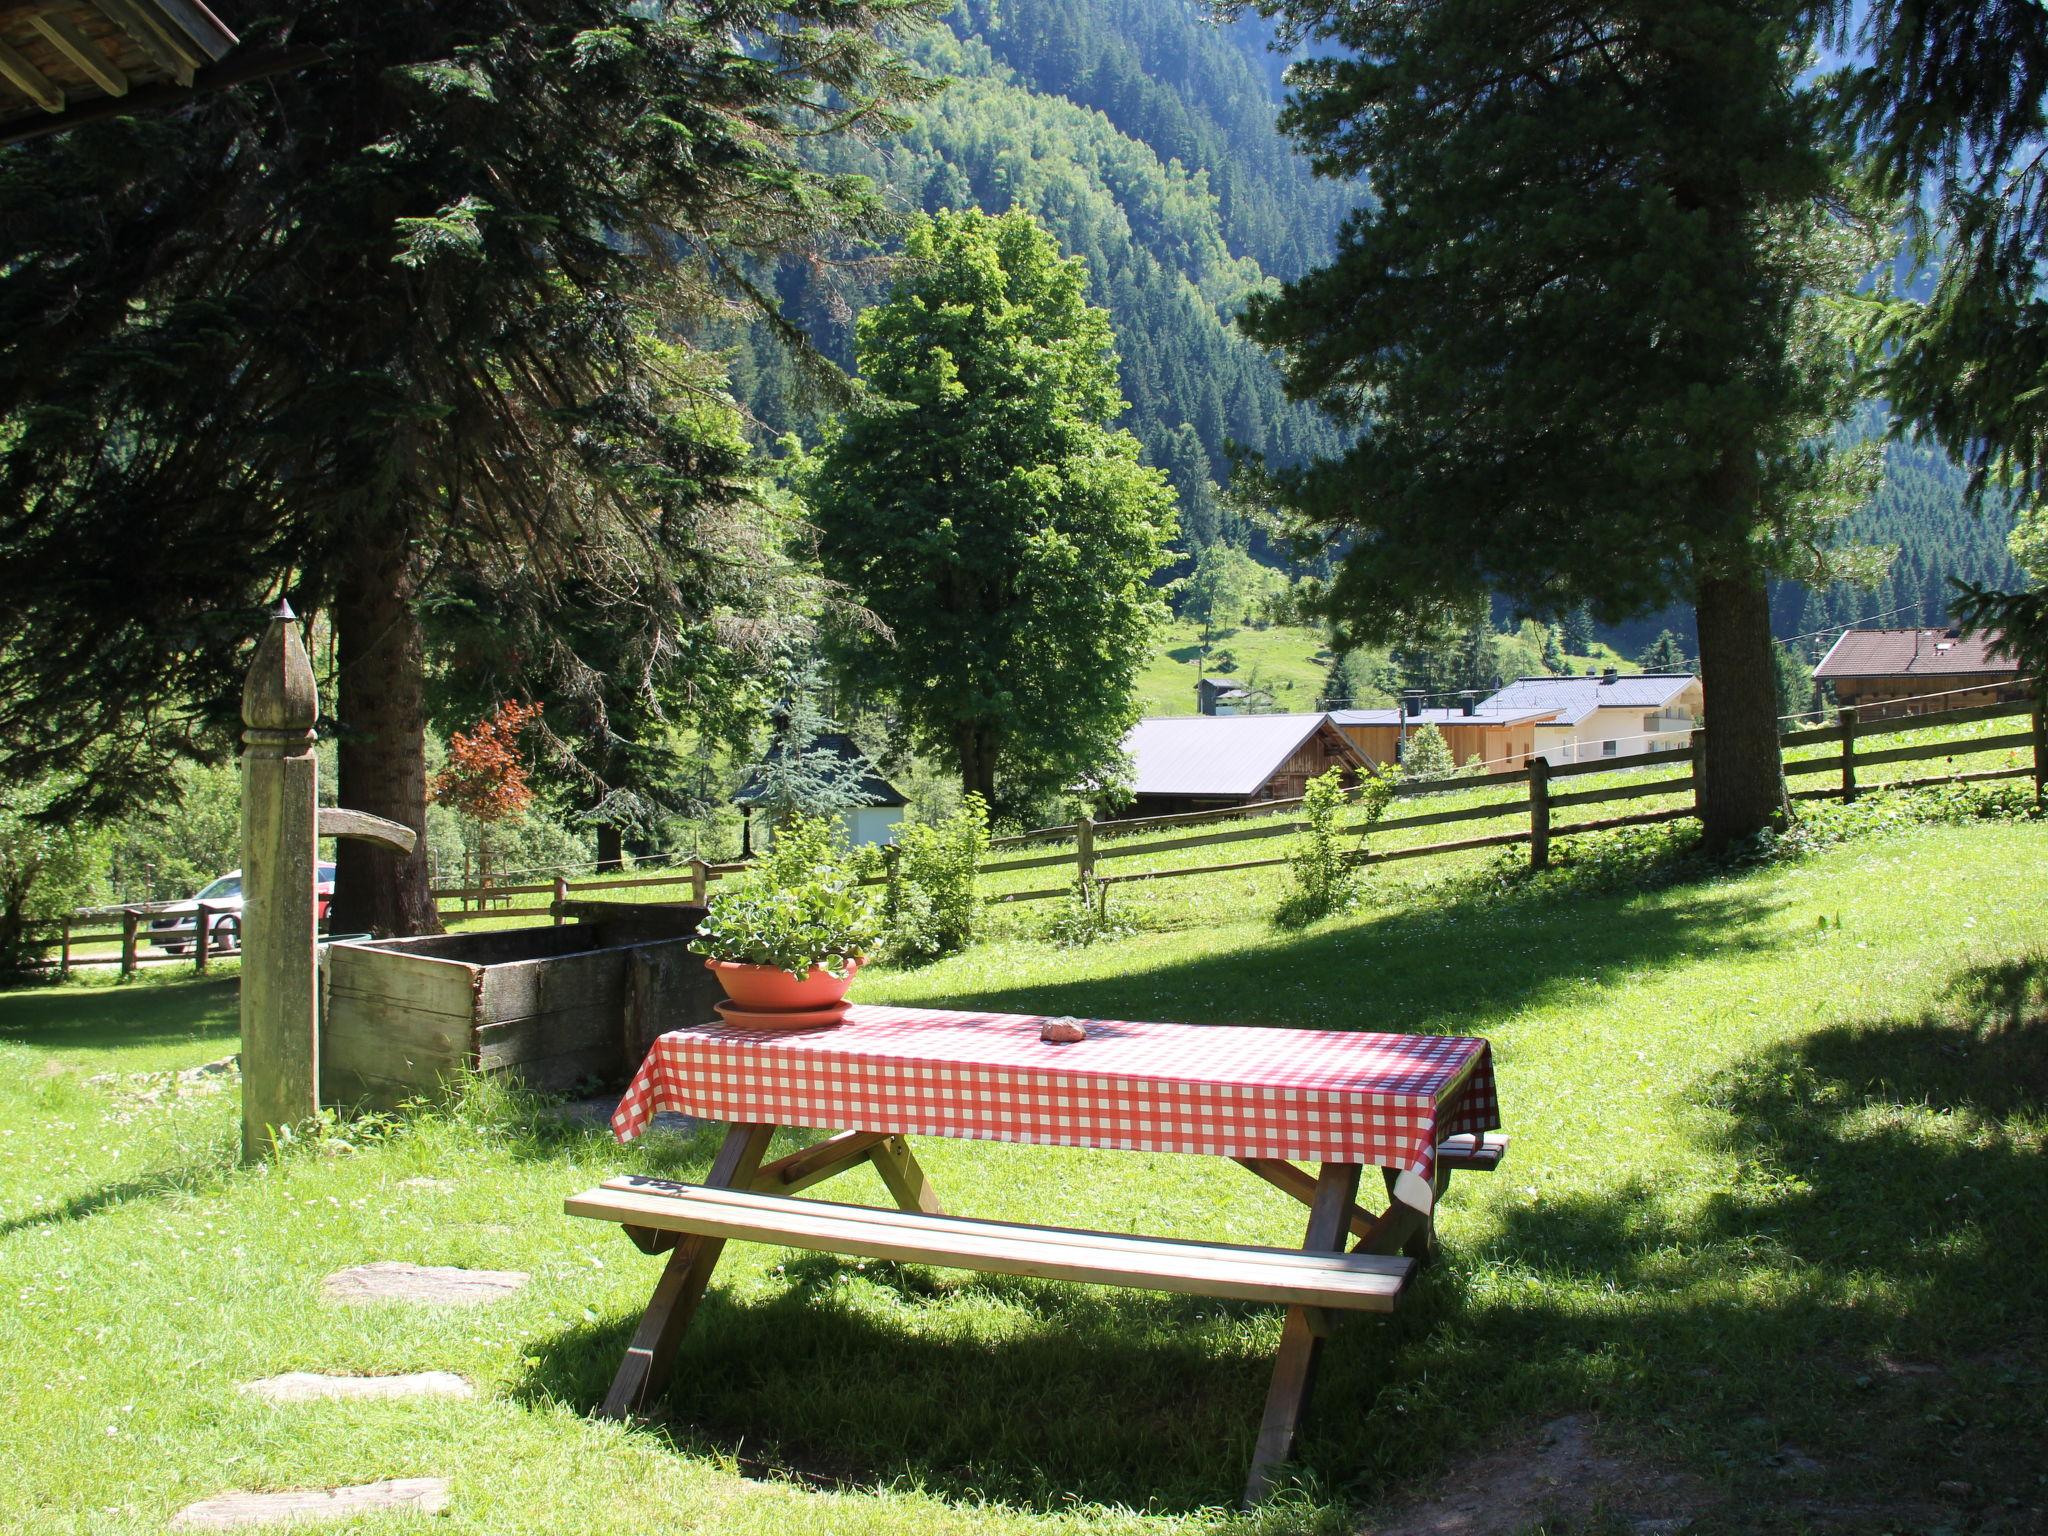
x: 1915, y: 653
x: 1214, y: 754
x: 1484, y: 714
x: 1574, y: 698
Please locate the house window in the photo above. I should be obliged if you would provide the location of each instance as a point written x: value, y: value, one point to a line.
x: 1609, y: 748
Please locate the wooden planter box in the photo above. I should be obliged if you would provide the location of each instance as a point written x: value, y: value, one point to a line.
x: 558, y: 1008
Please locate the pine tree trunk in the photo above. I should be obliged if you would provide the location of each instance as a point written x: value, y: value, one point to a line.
x: 1743, y: 788
x: 610, y: 848
x: 381, y: 720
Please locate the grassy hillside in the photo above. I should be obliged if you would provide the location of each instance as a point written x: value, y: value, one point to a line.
x: 1289, y: 661
x: 1778, y: 1148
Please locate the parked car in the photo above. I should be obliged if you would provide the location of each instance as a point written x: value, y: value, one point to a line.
x: 175, y: 927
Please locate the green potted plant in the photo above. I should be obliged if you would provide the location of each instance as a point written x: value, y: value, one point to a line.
x: 787, y: 939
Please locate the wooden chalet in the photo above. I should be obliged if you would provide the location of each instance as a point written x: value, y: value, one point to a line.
x: 1208, y: 762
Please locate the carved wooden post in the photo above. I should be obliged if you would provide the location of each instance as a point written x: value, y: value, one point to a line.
x: 280, y: 806
x: 1848, y: 753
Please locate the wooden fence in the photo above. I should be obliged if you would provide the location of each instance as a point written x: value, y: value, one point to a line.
x: 1078, y: 849
x: 1081, y: 850
x: 74, y: 931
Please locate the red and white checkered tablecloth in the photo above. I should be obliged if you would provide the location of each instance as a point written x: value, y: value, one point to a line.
x: 1224, y: 1090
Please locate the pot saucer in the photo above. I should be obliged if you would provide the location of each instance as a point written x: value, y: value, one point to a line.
x: 782, y: 1018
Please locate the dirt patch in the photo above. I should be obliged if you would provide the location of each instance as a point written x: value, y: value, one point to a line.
x: 1560, y: 1476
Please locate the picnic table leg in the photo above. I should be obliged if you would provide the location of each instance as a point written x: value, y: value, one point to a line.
x: 901, y: 1171
x: 644, y: 1371
x: 1329, y: 1223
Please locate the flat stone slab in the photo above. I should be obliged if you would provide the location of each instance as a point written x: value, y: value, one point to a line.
x: 233, y: 1511
x: 427, y: 1285
x: 311, y: 1386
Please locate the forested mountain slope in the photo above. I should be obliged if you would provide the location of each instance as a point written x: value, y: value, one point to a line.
x: 1142, y: 135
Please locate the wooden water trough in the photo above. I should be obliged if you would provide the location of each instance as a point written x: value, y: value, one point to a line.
x: 556, y: 1007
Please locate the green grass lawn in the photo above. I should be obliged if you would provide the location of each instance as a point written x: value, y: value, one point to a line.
x: 1773, y: 1217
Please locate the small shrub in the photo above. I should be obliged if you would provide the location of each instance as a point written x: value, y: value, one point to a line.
x: 933, y: 903
x: 1428, y: 756
x: 1085, y: 919
x: 1325, y: 874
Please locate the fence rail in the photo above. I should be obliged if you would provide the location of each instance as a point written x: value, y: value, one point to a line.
x: 1084, y: 853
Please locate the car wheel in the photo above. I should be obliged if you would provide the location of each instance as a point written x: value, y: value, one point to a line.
x: 227, y: 935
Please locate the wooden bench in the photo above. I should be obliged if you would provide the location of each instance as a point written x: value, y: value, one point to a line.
x: 1362, y: 1282
x: 747, y: 1199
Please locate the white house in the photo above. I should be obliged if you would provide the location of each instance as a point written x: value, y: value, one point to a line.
x: 1611, y: 715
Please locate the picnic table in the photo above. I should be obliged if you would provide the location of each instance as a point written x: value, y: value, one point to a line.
x: 1414, y: 1106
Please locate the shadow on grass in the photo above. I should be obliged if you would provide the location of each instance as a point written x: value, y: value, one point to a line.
x: 1448, y: 966
x: 110, y: 1018
x: 1844, y: 1328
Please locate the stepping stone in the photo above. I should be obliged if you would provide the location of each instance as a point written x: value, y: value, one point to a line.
x: 232, y: 1511
x: 429, y: 1285
x: 309, y: 1386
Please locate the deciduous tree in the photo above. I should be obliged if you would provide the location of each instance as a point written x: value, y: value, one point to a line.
x: 978, y: 502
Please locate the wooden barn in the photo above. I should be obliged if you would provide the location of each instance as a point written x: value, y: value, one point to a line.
x: 1207, y: 762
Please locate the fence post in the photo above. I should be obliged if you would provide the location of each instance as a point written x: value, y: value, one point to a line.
x: 202, y: 925
x: 1539, y: 813
x: 561, y: 900
x: 1699, y: 772
x: 1084, y: 849
x: 1848, y: 753
x: 64, y: 953
x: 280, y: 811
x: 129, y: 923
x: 700, y: 878
x: 2041, y: 743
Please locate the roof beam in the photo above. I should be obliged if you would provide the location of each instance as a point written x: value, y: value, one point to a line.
x: 81, y: 51
x: 192, y: 25
x: 30, y: 81
x: 123, y: 14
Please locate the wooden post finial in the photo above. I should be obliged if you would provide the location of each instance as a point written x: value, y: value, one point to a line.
x: 280, y: 694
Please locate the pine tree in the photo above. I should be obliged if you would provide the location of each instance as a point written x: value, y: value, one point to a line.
x: 1597, y: 253
x: 406, y: 311
x: 1664, y: 654
x: 1427, y: 756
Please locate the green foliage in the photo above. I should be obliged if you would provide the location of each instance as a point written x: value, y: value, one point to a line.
x: 46, y: 869
x: 932, y: 903
x: 800, y: 907
x: 1325, y: 874
x: 1428, y: 756
x: 1946, y: 107
x: 977, y: 501
x: 800, y: 773
x: 1664, y: 654
x: 1143, y: 137
x: 1084, y: 918
x: 396, y: 329
x: 1563, y: 261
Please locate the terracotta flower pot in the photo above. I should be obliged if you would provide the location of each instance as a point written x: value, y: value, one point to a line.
x: 771, y: 988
